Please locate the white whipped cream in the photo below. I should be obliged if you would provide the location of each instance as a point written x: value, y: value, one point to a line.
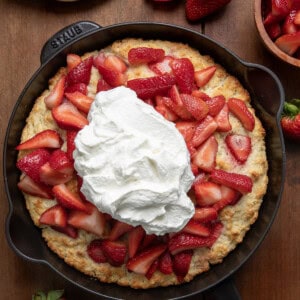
x: 134, y: 164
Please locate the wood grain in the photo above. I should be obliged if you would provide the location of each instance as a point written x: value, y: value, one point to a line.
x: 273, y: 272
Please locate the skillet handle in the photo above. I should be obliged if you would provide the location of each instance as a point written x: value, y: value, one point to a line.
x: 64, y: 37
x: 226, y: 290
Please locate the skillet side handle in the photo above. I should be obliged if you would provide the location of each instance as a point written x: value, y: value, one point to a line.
x: 66, y: 36
x: 226, y: 290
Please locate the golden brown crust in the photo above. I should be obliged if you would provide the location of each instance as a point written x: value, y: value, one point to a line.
x: 236, y: 219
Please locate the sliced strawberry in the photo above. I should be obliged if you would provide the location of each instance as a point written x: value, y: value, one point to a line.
x: 80, y: 73
x: 81, y: 101
x: 289, y: 43
x: 165, y: 111
x: 202, y: 77
x: 28, y: 186
x: 222, y: 119
x: 195, y: 106
x: 205, y: 156
x: 112, y: 77
x: 53, y: 177
x: 239, y: 145
x: 191, y: 148
x: 31, y: 163
x: 165, y: 263
x: 142, y: 262
x: 114, y: 251
x: 142, y: 55
x: 54, y: 216
x: 60, y: 161
x: 288, y: 25
x: 67, y: 230
x: 279, y: 10
x: 181, y: 264
x: 183, y: 70
x: 216, y: 230
x: 196, y: 228
x: 115, y: 63
x: 102, y: 85
x: 163, y: 67
x: 297, y: 17
x: 152, y: 86
x: 95, y: 251
x: 239, y: 108
x: 274, y: 30
x: 71, y: 134
x: 45, y: 139
x: 56, y: 94
x: 215, y: 104
x: 68, y: 117
x: 118, y: 230
x: 201, y: 177
x: 77, y: 87
x: 135, y: 237
x: 206, y: 214
x: 73, y: 60
x: 239, y: 182
x: 68, y: 199
x: 201, y: 95
x: 93, y: 222
x: 149, y: 240
x: 229, y: 197
x: 187, y: 129
x: 152, y: 269
x: 207, y: 193
x: 204, y: 130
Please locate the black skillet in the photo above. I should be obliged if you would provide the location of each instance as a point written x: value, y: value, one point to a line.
x: 267, y: 98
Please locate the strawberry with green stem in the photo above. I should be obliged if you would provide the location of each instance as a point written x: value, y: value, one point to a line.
x: 290, y: 120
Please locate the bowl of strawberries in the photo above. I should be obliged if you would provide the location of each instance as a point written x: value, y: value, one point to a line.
x: 278, y: 24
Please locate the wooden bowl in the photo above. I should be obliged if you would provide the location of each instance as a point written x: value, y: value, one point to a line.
x: 267, y: 40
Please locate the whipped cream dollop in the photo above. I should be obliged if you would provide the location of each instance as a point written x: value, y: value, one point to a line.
x: 134, y: 164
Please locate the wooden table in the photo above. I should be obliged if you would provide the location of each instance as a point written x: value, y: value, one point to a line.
x: 273, y: 272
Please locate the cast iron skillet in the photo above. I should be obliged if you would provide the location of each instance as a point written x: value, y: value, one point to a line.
x: 267, y: 98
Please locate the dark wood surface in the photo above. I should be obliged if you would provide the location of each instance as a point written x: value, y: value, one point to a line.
x: 273, y: 272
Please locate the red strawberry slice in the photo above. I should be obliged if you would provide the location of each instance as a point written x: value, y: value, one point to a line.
x: 206, y: 214
x: 204, y: 130
x: 81, y: 101
x: 239, y: 182
x: 239, y: 145
x: 67, y: 230
x: 93, y: 222
x: 215, y: 104
x: 181, y: 264
x: 114, y: 251
x: 202, y: 77
x: 118, y: 229
x: 68, y: 117
x: 229, y: 197
x: 53, y: 177
x: 73, y: 60
x: 135, y: 237
x: 165, y: 263
x: 95, y: 251
x: 163, y: 67
x: 31, y: 163
x: 201, y: 95
x: 149, y: 240
x: 207, y: 193
x: 115, y: 63
x: 152, y: 269
x: 222, y: 119
x: 45, y: 139
x: 196, y: 106
x: 198, y: 9
x: 28, y: 186
x: 112, y: 77
x: 279, y: 10
x: 239, y: 108
x: 142, y: 261
x: 142, y: 55
x: 60, y: 161
x: 274, y: 29
x: 183, y: 70
x: 80, y: 73
x: 165, y: 111
x: 196, y: 228
x: 56, y: 94
x: 289, y: 25
x: 205, y: 156
x: 289, y: 43
x: 187, y: 129
x: 297, y: 17
x: 77, y: 87
x: 68, y: 199
x: 54, y: 216
x: 71, y: 134
x: 102, y: 85
x: 152, y: 86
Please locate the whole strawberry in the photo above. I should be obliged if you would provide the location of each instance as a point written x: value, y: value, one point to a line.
x: 197, y: 9
x: 290, y: 120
